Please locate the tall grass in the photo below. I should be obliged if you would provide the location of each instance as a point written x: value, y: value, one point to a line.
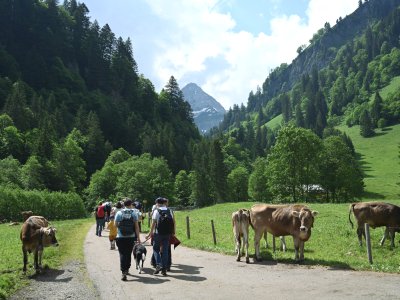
x: 70, y: 235
x: 333, y: 242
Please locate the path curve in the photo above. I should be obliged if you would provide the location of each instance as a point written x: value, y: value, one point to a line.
x: 202, y: 275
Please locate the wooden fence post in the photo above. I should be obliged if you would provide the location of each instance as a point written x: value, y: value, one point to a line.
x: 187, y: 227
x: 213, y: 232
x: 368, y: 242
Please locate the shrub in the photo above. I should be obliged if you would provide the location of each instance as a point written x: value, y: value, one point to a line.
x: 51, y: 205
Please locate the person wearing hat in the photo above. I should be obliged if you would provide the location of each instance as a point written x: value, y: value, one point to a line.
x: 127, y: 234
x: 161, y: 229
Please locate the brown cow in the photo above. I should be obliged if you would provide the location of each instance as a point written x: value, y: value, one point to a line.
x: 376, y: 214
x: 240, y: 223
x: 35, y: 234
x: 281, y: 220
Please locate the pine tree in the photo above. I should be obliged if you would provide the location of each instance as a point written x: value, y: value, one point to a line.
x: 366, y: 126
x: 376, y: 108
x: 299, y: 116
x: 218, y: 172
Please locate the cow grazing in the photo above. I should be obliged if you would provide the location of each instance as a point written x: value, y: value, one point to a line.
x: 376, y: 214
x: 26, y: 214
x: 240, y: 223
x: 281, y: 220
x: 36, y: 234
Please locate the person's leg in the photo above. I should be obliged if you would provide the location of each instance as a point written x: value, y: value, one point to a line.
x: 97, y: 226
x: 169, y: 263
x: 165, y: 245
x: 122, y: 256
x: 156, y: 252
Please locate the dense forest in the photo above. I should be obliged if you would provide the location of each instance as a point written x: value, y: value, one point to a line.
x: 76, y: 117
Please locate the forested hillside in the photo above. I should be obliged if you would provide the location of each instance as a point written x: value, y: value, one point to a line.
x: 77, y: 117
x: 336, y: 79
x: 70, y: 93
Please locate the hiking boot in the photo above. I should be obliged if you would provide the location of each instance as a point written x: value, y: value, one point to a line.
x: 169, y: 269
x: 123, y: 278
x: 164, y: 272
x: 157, y: 270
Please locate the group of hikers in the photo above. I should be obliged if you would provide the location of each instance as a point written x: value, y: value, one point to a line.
x: 124, y: 224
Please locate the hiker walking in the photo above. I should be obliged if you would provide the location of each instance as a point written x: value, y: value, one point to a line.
x: 128, y: 233
x: 161, y: 229
x: 100, y: 214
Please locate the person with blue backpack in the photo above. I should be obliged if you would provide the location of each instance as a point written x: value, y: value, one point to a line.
x: 162, y: 228
x: 126, y: 221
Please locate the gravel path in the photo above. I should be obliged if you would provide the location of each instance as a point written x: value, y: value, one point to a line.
x: 202, y: 275
x: 70, y: 282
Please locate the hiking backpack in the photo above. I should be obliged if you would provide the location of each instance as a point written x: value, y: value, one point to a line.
x: 127, y: 224
x: 100, y: 212
x: 165, y: 223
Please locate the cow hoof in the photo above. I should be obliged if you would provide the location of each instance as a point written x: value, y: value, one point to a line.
x: 238, y: 259
x: 247, y: 261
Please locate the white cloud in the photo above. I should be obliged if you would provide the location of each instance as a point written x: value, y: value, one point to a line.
x: 193, y: 33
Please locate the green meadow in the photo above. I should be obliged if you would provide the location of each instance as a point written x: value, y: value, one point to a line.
x: 70, y: 235
x: 379, y: 158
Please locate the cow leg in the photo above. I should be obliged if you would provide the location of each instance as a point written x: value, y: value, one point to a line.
x: 35, y: 254
x: 25, y: 255
x: 360, y: 233
x: 283, y: 243
x: 301, y: 244
x: 238, y: 246
x: 392, y: 233
x: 40, y: 253
x: 385, y: 234
x: 246, y: 245
x: 257, y: 238
x: 265, y: 238
x: 296, y: 243
x: 243, y: 245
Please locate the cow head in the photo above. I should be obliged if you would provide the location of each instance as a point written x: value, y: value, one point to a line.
x: 49, y: 236
x: 306, y: 217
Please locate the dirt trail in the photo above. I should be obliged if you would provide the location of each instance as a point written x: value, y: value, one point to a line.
x: 203, y: 275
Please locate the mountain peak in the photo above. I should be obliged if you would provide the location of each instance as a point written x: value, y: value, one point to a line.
x: 207, y: 111
x: 198, y: 99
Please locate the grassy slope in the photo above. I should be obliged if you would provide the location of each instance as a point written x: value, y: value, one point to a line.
x: 380, y: 161
x: 70, y: 235
x: 379, y: 155
x: 275, y: 122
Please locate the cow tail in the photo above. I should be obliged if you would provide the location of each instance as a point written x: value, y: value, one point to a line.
x: 240, y: 217
x: 351, y: 208
x: 251, y: 223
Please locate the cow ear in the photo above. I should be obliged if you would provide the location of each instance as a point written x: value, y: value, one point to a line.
x: 296, y: 214
x: 54, y: 229
x: 314, y: 213
x: 47, y: 231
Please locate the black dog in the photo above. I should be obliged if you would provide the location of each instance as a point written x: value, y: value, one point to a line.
x: 139, y: 253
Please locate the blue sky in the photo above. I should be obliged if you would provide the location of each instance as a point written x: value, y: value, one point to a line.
x: 227, y: 47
